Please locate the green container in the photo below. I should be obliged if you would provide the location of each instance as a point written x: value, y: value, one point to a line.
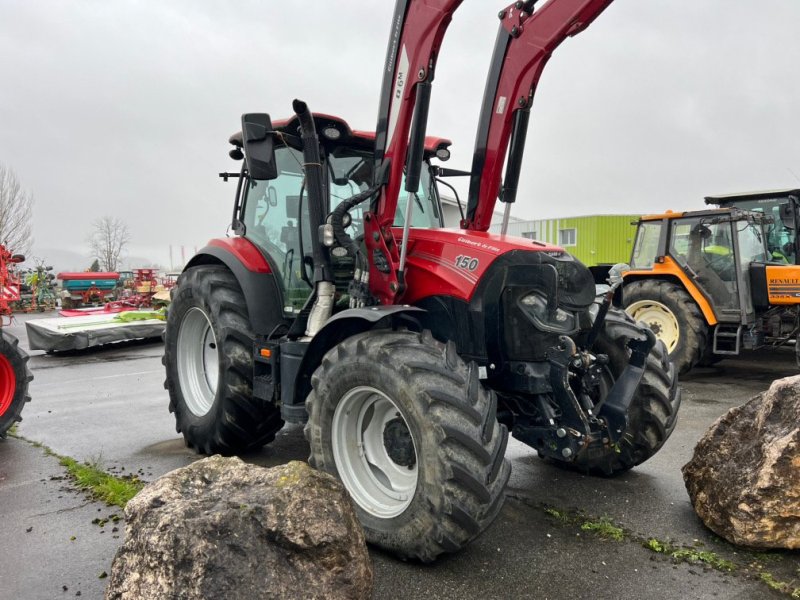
x: 595, y: 240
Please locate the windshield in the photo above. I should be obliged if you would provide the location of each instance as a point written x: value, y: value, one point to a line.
x: 350, y: 172
x: 646, y: 247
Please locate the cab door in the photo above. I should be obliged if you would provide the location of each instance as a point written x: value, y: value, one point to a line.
x: 706, y: 253
x: 274, y: 216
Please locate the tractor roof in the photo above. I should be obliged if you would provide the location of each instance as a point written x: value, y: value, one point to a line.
x: 728, y: 214
x: 762, y: 195
x: 328, y: 126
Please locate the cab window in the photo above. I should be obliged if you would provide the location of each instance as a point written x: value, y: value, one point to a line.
x: 645, y: 249
x: 273, y: 221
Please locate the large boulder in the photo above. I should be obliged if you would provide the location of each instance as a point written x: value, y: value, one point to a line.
x: 220, y: 528
x: 744, y: 477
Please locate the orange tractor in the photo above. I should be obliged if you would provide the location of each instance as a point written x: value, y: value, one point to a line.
x: 709, y: 286
x: 14, y: 373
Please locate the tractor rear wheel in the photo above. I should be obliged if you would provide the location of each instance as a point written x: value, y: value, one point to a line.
x: 14, y: 379
x: 407, y: 427
x: 673, y: 316
x: 208, y: 355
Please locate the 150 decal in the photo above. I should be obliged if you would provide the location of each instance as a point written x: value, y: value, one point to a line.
x: 466, y: 262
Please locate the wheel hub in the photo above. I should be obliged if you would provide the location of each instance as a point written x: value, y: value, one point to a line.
x: 398, y: 443
x: 374, y: 452
x: 659, y: 318
x: 198, y: 361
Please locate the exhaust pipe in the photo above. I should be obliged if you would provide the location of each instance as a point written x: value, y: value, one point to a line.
x: 324, y: 287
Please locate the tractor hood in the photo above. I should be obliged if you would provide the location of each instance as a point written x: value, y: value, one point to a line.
x: 452, y: 262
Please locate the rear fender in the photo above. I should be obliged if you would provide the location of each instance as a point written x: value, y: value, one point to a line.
x: 346, y: 324
x: 670, y: 270
x: 262, y: 295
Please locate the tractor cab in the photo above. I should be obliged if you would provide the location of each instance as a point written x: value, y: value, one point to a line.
x: 784, y: 208
x: 274, y: 213
x: 713, y: 271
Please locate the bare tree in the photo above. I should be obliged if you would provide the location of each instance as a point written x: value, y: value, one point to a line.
x: 108, y: 241
x: 16, y: 213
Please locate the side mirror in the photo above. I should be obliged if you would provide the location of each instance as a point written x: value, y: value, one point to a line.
x: 17, y: 258
x: 786, y: 212
x: 259, y: 147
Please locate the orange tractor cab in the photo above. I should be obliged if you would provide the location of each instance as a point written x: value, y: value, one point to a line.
x: 709, y: 286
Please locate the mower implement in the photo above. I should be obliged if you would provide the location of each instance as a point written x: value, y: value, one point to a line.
x: 408, y: 350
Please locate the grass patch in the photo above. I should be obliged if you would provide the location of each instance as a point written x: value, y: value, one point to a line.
x: 605, y: 528
x: 92, y: 479
x: 690, y: 555
x: 112, y: 490
x: 559, y: 515
x: 779, y: 586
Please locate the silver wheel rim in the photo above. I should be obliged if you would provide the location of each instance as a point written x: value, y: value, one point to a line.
x: 379, y: 485
x: 198, y: 361
x: 659, y: 318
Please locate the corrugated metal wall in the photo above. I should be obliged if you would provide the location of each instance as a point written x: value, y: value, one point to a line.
x: 600, y: 239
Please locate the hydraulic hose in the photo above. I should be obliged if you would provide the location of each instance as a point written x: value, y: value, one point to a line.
x: 337, y: 220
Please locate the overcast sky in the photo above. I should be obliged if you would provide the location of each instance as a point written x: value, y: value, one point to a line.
x: 124, y: 108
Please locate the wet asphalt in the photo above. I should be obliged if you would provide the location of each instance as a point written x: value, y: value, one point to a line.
x: 109, y: 406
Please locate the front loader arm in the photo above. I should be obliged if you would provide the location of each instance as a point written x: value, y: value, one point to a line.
x: 524, y: 44
x: 418, y: 28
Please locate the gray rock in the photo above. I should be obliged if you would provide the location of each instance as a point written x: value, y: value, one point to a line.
x: 220, y: 528
x: 744, y: 477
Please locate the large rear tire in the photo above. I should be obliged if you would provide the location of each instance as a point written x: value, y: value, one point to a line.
x: 673, y: 316
x: 208, y: 355
x: 14, y: 379
x: 408, y: 428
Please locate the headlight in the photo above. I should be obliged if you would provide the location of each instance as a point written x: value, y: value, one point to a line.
x: 534, y: 305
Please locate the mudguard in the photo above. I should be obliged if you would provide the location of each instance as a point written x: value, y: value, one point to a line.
x: 343, y: 325
x: 262, y: 294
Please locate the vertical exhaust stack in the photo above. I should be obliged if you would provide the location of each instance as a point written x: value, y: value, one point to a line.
x: 324, y: 287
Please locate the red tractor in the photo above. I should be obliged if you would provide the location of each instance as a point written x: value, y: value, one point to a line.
x: 14, y: 373
x: 410, y: 350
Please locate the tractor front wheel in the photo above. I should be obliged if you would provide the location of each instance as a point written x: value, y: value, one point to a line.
x: 673, y: 316
x: 14, y: 379
x: 208, y: 355
x: 407, y: 427
x: 653, y: 412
